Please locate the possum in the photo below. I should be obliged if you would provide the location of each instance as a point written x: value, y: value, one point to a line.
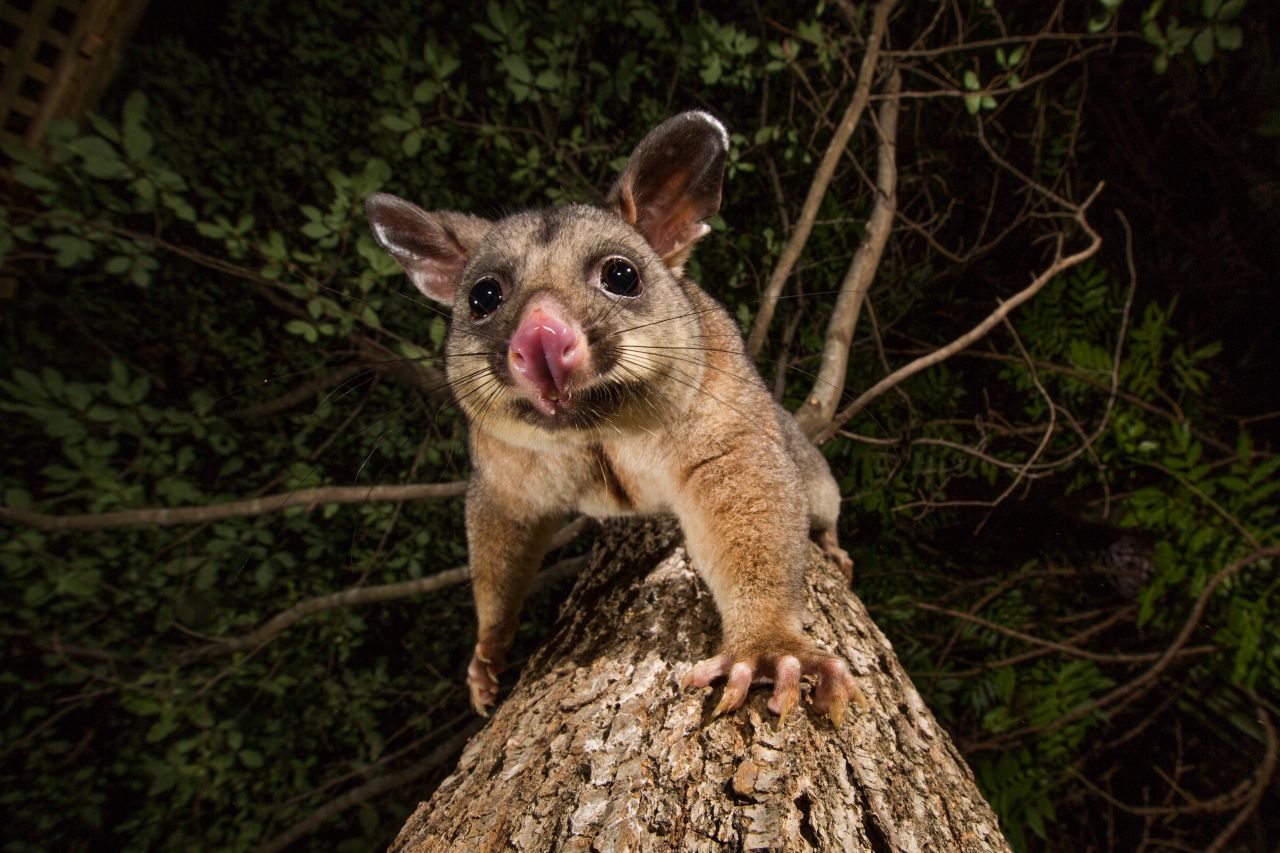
x: 597, y: 377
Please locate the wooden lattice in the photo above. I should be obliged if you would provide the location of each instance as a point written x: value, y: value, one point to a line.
x: 57, y: 56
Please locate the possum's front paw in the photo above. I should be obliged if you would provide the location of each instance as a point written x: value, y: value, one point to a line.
x: 784, y: 667
x: 482, y: 679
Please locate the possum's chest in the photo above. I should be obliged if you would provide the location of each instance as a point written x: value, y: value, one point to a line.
x: 624, y: 480
x: 602, y: 479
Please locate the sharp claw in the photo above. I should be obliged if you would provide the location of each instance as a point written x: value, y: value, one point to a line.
x: 786, y: 693
x: 837, y: 712
x: 859, y: 699
x: 788, y: 705
x: 735, y: 689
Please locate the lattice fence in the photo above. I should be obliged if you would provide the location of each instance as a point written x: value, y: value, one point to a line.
x: 57, y: 56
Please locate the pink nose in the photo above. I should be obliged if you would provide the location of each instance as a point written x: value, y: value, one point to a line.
x: 545, y: 350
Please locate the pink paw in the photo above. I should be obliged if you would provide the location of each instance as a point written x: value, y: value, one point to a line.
x: 831, y: 694
x: 482, y: 680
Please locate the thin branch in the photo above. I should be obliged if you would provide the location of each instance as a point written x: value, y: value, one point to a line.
x: 303, y: 392
x: 369, y: 790
x: 828, y: 386
x: 1266, y: 770
x: 1162, y: 663
x: 1051, y: 645
x: 822, y: 178
x: 1048, y: 432
x: 390, y: 592
x: 170, y: 516
x: 1060, y: 264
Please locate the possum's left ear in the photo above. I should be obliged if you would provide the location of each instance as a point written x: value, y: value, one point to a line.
x: 672, y: 183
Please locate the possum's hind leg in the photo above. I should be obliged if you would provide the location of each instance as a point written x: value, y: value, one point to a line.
x: 830, y: 546
x: 822, y: 491
x: 824, y: 509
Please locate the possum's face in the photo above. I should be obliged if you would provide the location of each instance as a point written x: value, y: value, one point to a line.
x: 566, y: 319
x: 573, y: 323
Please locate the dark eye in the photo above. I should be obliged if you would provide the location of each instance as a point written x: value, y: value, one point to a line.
x: 620, y: 278
x: 486, y: 296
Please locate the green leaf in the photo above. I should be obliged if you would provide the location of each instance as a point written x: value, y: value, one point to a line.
x: 396, y: 123
x: 426, y: 90
x: 517, y: 68
x: 548, y: 79
x: 1202, y: 46
x: 303, y: 328
x: 71, y: 250
x: 101, y: 160
x: 161, y: 729
x: 497, y: 17
x: 448, y: 65
x: 412, y: 142
x: 1228, y: 36
x: 250, y: 758
x: 29, y: 177
x: 137, y: 141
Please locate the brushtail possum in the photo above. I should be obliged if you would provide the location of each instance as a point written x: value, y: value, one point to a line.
x: 597, y: 377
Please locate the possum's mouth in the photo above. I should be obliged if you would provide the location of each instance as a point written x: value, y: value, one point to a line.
x: 593, y: 407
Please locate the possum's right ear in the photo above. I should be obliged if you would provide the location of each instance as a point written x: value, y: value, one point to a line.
x: 433, y: 247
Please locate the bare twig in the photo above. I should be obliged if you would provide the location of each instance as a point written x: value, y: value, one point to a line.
x: 390, y: 592
x: 828, y: 386
x: 1060, y: 264
x: 1266, y: 770
x: 822, y: 178
x: 304, y: 391
x: 1147, y: 678
x: 1052, y: 645
x: 170, y: 516
x: 369, y: 790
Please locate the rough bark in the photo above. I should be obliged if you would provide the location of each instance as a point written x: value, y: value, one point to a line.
x: 597, y: 747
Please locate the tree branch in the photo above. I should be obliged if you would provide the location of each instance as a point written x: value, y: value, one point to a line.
x: 1266, y: 771
x: 170, y: 516
x: 1167, y: 657
x: 390, y: 592
x: 1060, y: 264
x: 369, y: 790
x: 822, y: 178
x: 291, y: 398
x: 828, y: 386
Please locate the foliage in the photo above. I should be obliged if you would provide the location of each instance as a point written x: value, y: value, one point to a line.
x: 200, y: 248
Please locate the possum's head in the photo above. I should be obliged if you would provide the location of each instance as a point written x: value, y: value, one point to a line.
x: 577, y: 321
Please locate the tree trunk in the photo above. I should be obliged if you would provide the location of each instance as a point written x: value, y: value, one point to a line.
x: 598, y: 748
